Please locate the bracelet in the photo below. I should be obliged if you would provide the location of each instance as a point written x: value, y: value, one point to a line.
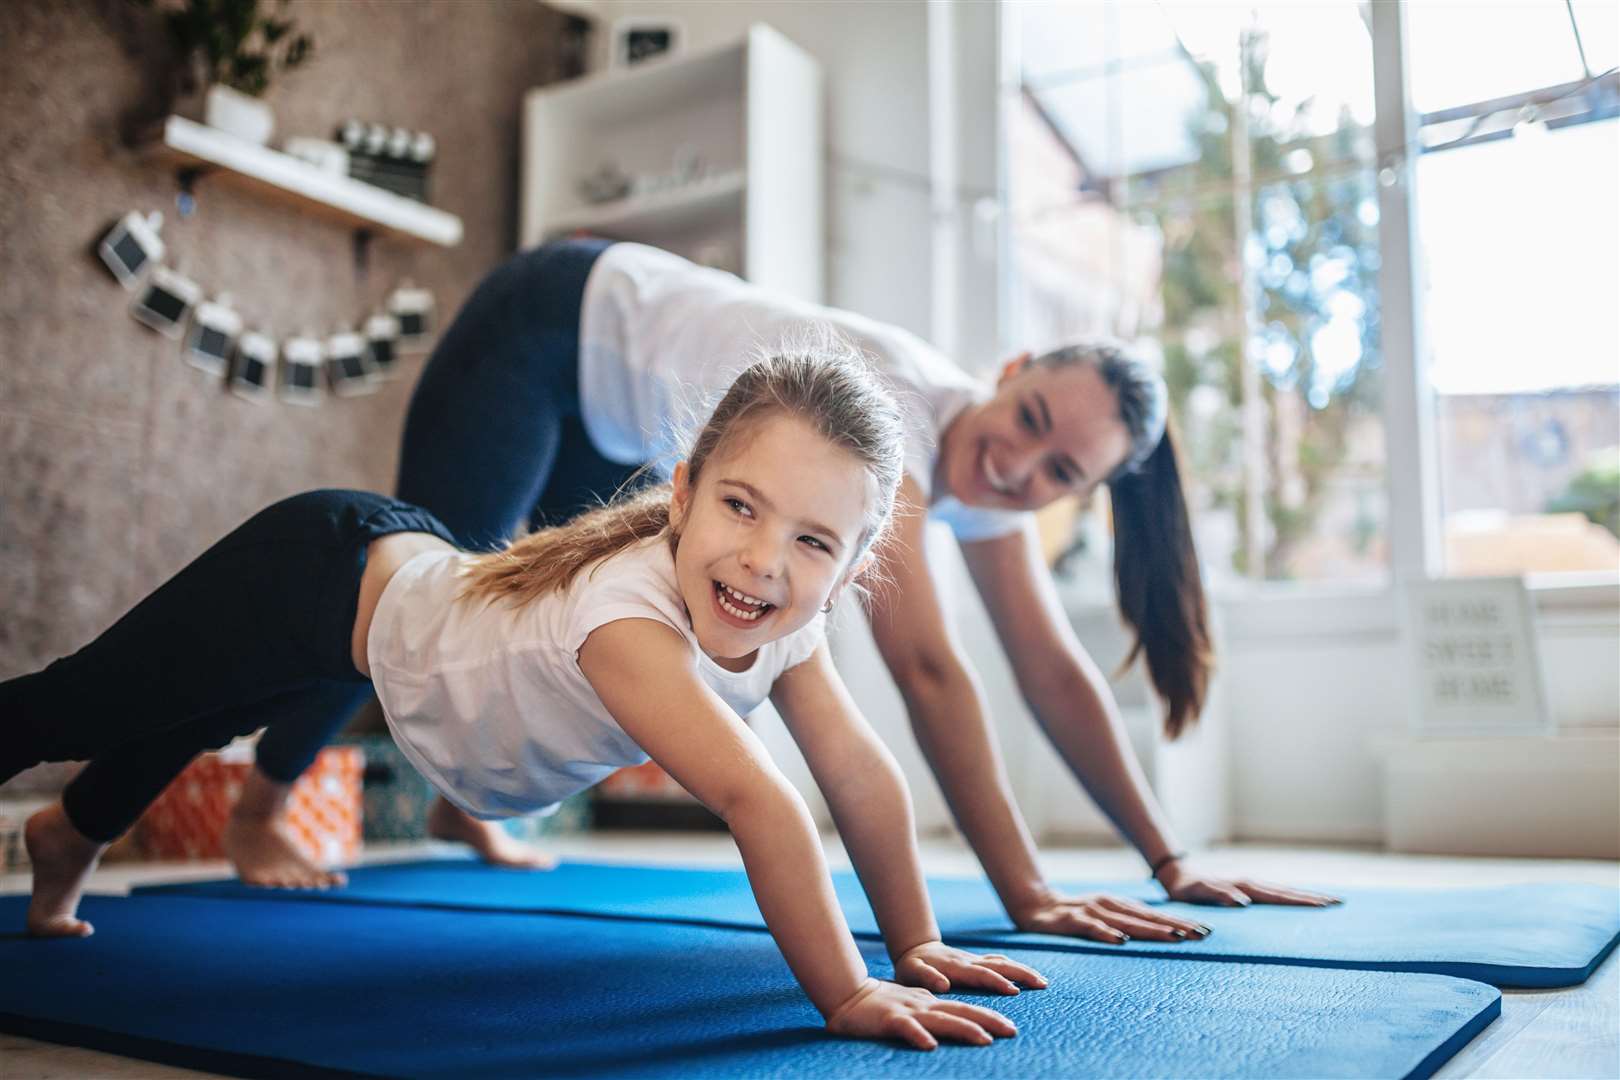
x: 1163, y: 861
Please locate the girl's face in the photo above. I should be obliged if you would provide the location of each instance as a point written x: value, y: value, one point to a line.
x: 1047, y: 432
x: 767, y: 535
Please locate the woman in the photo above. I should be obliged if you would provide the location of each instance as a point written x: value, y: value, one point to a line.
x: 571, y: 366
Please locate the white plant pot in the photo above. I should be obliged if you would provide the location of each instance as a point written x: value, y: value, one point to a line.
x: 239, y: 114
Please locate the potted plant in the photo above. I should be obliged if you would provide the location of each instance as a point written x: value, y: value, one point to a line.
x: 231, y: 50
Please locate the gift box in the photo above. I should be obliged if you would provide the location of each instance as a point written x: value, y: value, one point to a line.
x: 188, y: 820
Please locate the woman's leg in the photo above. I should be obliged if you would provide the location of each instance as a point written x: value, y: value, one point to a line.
x: 480, y: 440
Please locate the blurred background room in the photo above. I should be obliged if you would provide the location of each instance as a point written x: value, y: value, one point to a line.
x: 1373, y: 247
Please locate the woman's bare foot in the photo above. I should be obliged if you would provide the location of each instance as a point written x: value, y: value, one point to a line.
x: 260, y: 843
x: 487, y: 838
x: 63, y: 859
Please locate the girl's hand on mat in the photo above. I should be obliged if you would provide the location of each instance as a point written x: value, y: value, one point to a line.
x: 1112, y: 920
x: 1191, y: 887
x: 885, y: 1010
x: 935, y: 966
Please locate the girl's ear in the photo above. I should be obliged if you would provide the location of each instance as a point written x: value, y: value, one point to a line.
x: 851, y: 574
x: 680, y: 495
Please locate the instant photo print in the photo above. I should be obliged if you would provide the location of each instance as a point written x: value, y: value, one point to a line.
x: 414, y: 309
x: 253, y: 370
x: 132, y: 246
x: 301, y: 361
x: 164, y: 302
x: 381, y: 332
x: 214, y: 328
x: 348, y: 364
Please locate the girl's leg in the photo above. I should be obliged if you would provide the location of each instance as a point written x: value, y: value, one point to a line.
x: 267, y: 610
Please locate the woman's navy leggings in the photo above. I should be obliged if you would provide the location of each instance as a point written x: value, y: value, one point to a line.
x: 235, y: 641
x: 493, y: 442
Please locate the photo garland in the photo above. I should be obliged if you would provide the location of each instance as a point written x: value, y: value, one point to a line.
x: 215, y: 339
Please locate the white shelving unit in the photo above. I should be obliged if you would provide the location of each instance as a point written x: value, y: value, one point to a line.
x: 749, y: 114
x: 188, y: 144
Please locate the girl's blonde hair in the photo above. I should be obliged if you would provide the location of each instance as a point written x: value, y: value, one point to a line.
x: 824, y: 381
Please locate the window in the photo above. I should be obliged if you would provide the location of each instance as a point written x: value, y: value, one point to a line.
x: 1519, y: 232
x: 1200, y: 179
x: 1204, y: 180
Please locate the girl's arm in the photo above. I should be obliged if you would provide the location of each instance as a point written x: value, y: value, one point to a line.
x: 643, y: 672
x: 872, y: 809
x: 1070, y: 697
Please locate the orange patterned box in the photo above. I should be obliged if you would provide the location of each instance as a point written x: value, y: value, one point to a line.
x: 188, y: 820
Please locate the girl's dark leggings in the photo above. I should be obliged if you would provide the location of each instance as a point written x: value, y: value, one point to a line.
x: 253, y: 632
x: 493, y: 442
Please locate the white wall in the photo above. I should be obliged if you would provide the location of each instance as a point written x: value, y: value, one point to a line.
x: 1316, y: 694
x: 874, y: 57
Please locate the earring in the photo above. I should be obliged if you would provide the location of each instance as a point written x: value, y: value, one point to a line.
x: 826, y: 609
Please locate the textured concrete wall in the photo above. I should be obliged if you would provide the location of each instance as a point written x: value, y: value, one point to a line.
x: 118, y: 461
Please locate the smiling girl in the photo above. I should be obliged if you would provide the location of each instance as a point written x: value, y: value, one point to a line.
x: 646, y: 628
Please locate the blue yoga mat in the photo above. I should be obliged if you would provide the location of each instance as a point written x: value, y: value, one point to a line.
x: 1513, y: 936
x: 258, y: 987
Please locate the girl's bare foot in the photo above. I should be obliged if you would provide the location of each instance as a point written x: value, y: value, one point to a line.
x: 63, y: 859
x: 260, y: 843
x: 487, y: 838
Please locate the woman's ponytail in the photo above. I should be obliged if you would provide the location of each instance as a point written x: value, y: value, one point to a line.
x: 1160, y: 591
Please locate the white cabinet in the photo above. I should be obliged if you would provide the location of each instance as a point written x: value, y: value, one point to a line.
x: 724, y: 149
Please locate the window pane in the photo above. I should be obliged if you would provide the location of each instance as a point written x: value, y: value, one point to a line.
x: 1522, y: 271
x: 1124, y: 222
x: 1463, y: 51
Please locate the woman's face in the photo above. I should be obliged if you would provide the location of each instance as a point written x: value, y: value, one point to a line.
x: 1047, y: 432
x: 767, y: 534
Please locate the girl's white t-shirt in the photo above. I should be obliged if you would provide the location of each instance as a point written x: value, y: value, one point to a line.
x: 487, y: 699
x: 662, y: 338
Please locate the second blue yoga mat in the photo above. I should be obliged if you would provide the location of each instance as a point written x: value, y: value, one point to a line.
x: 264, y: 988
x: 1512, y: 936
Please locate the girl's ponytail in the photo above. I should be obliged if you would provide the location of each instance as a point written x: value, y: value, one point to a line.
x: 1160, y: 592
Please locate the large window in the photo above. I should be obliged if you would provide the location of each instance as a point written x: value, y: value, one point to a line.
x: 1518, y: 216
x: 1203, y: 180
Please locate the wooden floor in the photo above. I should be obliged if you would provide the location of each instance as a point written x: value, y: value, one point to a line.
x: 1542, y: 1033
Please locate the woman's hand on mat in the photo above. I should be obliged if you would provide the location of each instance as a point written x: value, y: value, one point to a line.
x: 886, y: 1010
x: 1191, y: 887
x: 935, y: 966
x: 1112, y: 920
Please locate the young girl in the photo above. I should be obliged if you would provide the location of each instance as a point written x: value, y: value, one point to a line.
x: 514, y: 679
x: 560, y: 375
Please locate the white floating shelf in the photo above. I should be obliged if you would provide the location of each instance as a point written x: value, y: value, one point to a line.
x: 281, y: 176
x: 673, y: 210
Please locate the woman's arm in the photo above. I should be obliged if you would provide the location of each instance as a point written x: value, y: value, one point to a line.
x: 950, y: 719
x: 872, y: 809
x: 1070, y: 698
x: 644, y: 673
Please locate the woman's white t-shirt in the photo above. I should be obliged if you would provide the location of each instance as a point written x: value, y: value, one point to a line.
x: 487, y: 699
x: 661, y: 338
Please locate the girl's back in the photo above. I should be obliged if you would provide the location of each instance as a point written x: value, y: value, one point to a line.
x: 485, y: 696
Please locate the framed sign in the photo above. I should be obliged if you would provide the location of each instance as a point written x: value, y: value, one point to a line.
x: 1475, y: 668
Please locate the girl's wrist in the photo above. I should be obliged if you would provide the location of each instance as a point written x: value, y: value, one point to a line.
x: 868, y: 986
